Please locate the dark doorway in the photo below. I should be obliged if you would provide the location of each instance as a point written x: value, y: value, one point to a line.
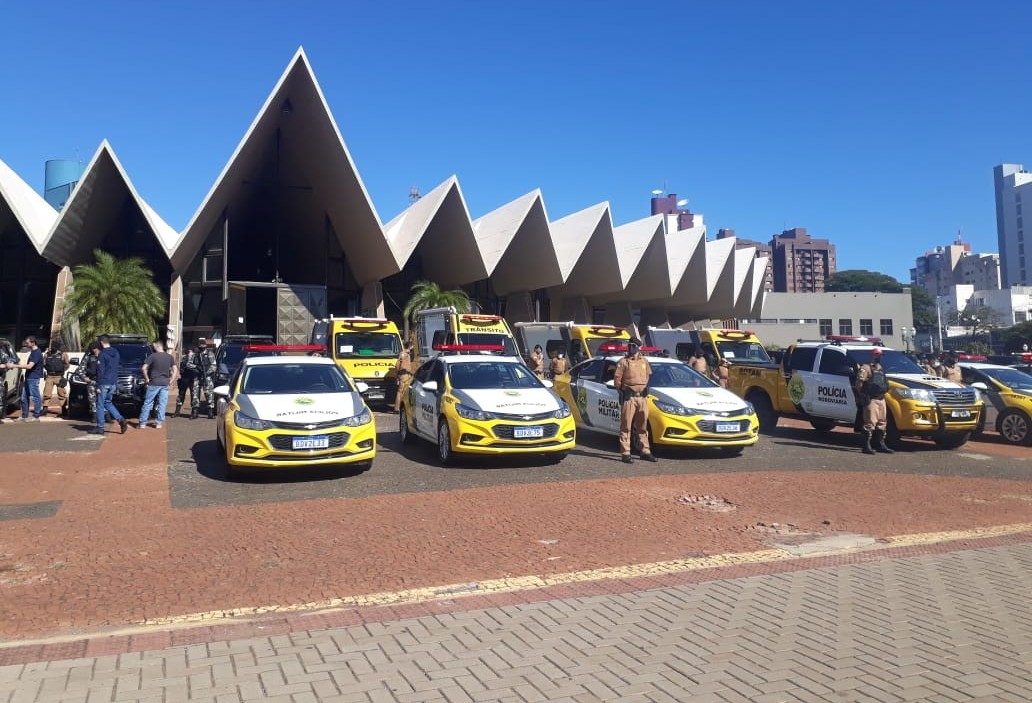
x: 261, y: 311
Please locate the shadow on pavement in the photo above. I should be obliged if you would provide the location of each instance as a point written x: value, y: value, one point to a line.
x: 211, y: 464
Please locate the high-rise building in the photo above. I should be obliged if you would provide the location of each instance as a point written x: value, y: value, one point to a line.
x: 761, y: 250
x: 935, y: 271
x: 801, y: 263
x: 1012, y: 184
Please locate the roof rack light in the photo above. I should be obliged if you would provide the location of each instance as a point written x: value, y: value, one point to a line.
x: 468, y: 347
x: 285, y: 347
x: 623, y: 348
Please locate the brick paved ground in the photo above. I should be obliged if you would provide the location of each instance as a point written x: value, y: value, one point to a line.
x: 951, y: 626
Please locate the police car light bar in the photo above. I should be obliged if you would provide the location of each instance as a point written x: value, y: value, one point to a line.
x: 481, y: 318
x: 732, y: 334
x: 469, y: 347
x: 610, y: 347
x: 285, y: 347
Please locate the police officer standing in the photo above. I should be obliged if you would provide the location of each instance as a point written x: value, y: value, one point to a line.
x: 187, y: 375
x: 558, y: 366
x: 204, y: 379
x: 950, y: 370
x: 722, y: 372
x: 632, y: 380
x: 537, y: 361
x: 871, y: 387
x: 405, y: 367
x: 698, y: 361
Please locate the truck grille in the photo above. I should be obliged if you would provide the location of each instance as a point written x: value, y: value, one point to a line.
x: 955, y: 397
x: 506, y: 432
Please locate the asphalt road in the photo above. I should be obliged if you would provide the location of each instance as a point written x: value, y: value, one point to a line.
x: 197, y: 475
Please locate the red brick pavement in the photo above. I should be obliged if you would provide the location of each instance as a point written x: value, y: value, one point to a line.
x: 117, y: 553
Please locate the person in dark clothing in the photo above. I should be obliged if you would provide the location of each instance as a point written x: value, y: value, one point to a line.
x: 89, y: 370
x: 107, y: 378
x: 188, y: 369
x: 34, y: 373
x: 159, y: 370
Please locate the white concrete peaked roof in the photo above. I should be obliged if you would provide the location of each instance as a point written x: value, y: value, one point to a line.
x: 700, y: 278
x: 759, y: 273
x: 665, y: 262
x: 571, y: 234
x: 496, y: 230
x: 723, y: 293
x: 531, y: 261
x: 440, y: 234
x: 632, y: 240
x: 298, y: 107
x: 598, y: 269
x: 33, y: 213
x: 95, y: 203
x: 745, y: 262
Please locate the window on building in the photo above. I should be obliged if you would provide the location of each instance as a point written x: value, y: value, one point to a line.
x: 826, y: 328
x: 867, y: 327
x: 886, y: 327
x: 845, y: 326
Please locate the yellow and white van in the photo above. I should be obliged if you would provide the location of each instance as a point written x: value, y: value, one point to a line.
x: 443, y: 327
x: 366, y: 348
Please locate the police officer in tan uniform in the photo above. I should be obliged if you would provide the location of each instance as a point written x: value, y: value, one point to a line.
x: 559, y: 365
x: 537, y: 361
x: 950, y: 370
x: 405, y: 367
x: 722, y: 372
x: 698, y: 361
x: 632, y: 379
x: 871, y: 386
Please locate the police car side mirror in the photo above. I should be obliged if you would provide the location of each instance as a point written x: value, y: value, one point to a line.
x: 430, y: 386
x: 222, y: 391
x: 611, y: 383
x: 362, y: 387
x: 546, y: 383
x: 980, y: 386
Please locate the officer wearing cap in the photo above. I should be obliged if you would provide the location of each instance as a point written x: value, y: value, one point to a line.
x: 632, y: 380
x: 950, y: 370
x: 537, y: 361
x: 871, y: 387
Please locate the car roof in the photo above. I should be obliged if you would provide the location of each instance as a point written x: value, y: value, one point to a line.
x: 470, y: 358
x: 280, y: 360
x: 982, y: 366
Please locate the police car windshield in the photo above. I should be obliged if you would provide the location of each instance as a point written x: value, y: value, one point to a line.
x: 892, y: 361
x: 480, y: 338
x: 491, y: 374
x: 353, y: 345
x: 287, y: 379
x: 677, y: 376
x: 743, y: 351
x: 234, y: 354
x: 1012, y: 378
x: 132, y: 354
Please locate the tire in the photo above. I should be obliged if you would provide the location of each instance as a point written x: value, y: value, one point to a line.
x: 892, y: 436
x: 1015, y: 427
x: 732, y: 451
x: 403, y: 430
x: 951, y: 440
x: 444, y: 450
x: 822, y: 425
x: 765, y: 412
x: 3, y: 399
x: 221, y: 442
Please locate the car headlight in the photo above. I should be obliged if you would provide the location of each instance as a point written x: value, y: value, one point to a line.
x: 563, y: 411
x: 671, y: 409
x: 750, y: 409
x: 246, y: 422
x: 363, y: 418
x: 918, y: 394
x: 469, y: 413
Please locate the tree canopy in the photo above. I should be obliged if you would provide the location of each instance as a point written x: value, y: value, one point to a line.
x: 115, y: 296
x: 427, y: 294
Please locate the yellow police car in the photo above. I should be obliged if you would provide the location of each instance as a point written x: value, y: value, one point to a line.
x: 467, y: 400
x: 1008, y: 395
x: 289, y: 411
x: 686, y: 409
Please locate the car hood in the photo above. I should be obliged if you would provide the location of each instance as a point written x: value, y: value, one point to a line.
x: 712, y: 399
x: 513, y: 401
x: 922, y: 380
x: 301, y: 407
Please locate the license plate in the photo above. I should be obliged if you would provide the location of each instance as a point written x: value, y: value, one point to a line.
x: 525, y: 432
x: 729, y: 427
x: 960, y: 413
x: 311, y: 442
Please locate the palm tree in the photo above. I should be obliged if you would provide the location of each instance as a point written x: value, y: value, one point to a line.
x: 113, y: 295
x: 427, y: 294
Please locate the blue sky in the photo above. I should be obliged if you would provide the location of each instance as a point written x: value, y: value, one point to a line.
x: 876, y: 125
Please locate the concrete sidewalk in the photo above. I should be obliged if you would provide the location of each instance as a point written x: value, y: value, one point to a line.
x: 949, y: 624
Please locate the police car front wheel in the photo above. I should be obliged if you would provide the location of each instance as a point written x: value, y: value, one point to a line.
x: 444, y: 450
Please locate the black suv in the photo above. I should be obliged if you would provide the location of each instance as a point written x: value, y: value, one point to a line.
x: 130, y: 388
x: 231, y: 352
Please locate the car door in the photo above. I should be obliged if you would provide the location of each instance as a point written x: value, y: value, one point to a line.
x: 425, y: 400
x: 831, y: 393
x: 581, y: 378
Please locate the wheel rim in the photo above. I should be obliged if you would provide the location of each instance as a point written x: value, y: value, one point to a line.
x: 444, y: 442
x: 1014, y: 428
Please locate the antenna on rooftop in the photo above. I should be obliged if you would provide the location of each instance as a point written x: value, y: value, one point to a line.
x: 414, y: 194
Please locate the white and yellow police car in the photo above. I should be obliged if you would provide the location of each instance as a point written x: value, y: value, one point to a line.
x: 686, y: 409
x: 466, y: 402
x: 288, y: 411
